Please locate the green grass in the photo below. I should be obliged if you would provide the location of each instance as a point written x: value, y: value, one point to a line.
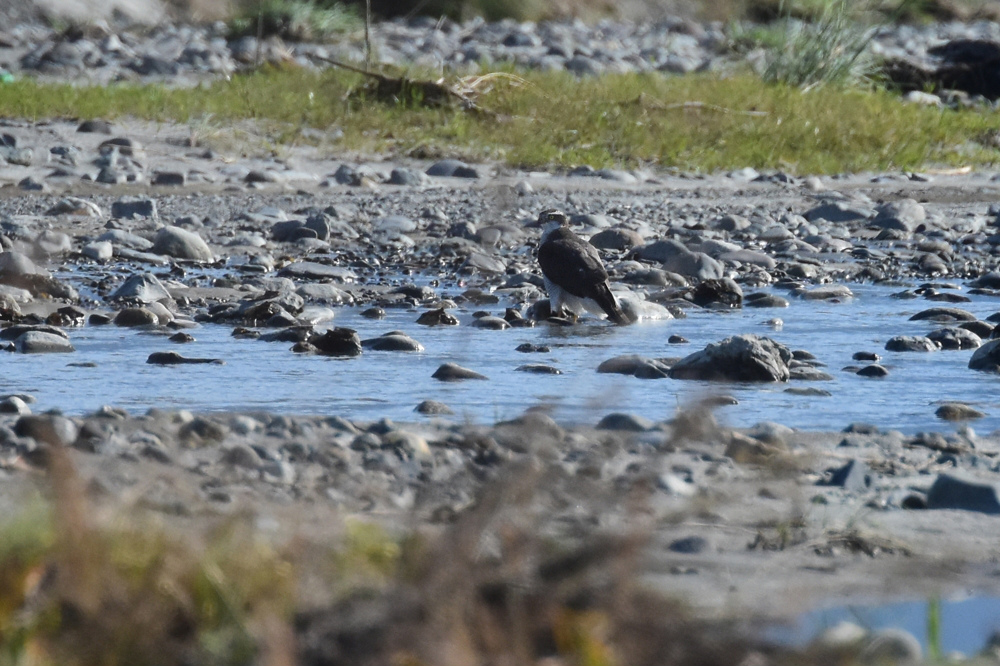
x: 701, y: 123
x: 297, y: 20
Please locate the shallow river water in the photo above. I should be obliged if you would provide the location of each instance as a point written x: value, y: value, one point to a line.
x: 267, y: 376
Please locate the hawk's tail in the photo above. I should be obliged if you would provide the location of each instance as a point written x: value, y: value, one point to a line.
x: 608, y: 303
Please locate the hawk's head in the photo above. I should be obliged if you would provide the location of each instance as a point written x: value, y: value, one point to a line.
x: 552, y: 215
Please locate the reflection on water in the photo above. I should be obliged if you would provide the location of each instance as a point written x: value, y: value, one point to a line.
x: 260, y: 375
x: 965, y: 626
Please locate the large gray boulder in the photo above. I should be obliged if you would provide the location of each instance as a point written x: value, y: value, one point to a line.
x: 142, y: 287
x: 181, y: 244
x: 42, y: 342
x: 741, y: 358
x: 987, y: 357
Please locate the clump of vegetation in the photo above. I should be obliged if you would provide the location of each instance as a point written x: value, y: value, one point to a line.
x: 827, y: 45
x: 295, y: 20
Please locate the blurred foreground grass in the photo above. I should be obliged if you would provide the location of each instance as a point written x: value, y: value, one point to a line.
x: 113, y: 586
x: 695, y: 123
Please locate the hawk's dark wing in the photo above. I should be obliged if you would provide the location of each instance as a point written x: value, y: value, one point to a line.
x: 571, y: 262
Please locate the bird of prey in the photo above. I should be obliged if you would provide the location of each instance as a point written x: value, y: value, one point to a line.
x: 574, y: 275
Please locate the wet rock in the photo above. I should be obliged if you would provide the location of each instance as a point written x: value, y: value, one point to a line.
x: 173, y: 358
x: 738, y: 358
x: 873, y: 370
x: 719, y: 293
x: 42, y: 342
x: 759, y: 300
x: 432, y: 407
x: 911, y: 343
x: 393, y: 341
x: 310, y: 270
x: 637, y: 366
x: 538, y: 369
x: 337, y: 342
x: 944, y: 315
x: 824, y: 293
x: 450, y: 372
x: 957, y: 411
x: 491, y: 323
x: 437, y: 317
x: 987, y: 357
x: 955, y: 338
x: 130, y: 317
x: 625, y: 422
x: 952, y: 491
x: 866, y: 356
x: 530, y: 348
x: 181, y: 244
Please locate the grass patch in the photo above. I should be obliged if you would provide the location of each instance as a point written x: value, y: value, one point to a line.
x: 297, y: 20
x: 701, y: 123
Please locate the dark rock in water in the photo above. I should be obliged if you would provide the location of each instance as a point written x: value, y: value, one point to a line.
x: 528, y: 348
x: 373, y: 313
x: 289, y: 334
x: 173, y: 358
x: 393, y: 341
x: 956, y: 411
x: 677, y: 340
x: 981, y: 328
x: 808, y: 391
x: 873, y: 370
x: 337, y: 342
x: 911, y: 343
x: 955, y: 338
x: 808, y: 373
x: 866, y: 356
x: 854, y: 476
x: 130, y: 317
x: 741, y: 358
x: 433, y: 407
x: 987, y: 357
x: 624, y: 422
x: 944, y: 315
x: 181, y: 337
x: 950, y: 491
x: 722, y: 292
x: 451, y: 372
x: 437, y: 317
x: 760, y: 300
x: 635, y: 365
x: 491, y: 323
x: 539, y: 369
